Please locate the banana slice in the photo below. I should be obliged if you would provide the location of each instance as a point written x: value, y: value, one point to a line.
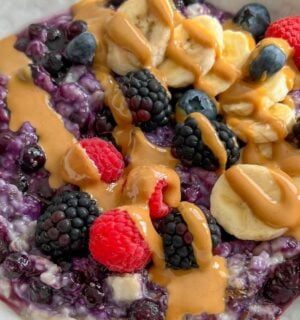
x: 155, y: 31
x: 235, y: 216
x: 271, y: 91
x: 237, y: 49
x: 177, y: 76
x: 262, y: 132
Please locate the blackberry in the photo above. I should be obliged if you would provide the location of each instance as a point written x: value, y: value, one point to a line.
x: 215, y: 230
x: 177, y: 242
x: 145, y: 309
x: 63, y: 228
x: 147, y: 99
x: 190, y: 149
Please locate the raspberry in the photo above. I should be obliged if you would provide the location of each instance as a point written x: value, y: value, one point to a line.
x: 288, y: 29
x: 116, y: 243
x: 106, y: 157
x: 158, y: 209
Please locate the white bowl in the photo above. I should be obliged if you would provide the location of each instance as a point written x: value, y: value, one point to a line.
x: 16, y: 14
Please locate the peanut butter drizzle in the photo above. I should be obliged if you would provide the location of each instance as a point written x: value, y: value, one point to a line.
x: 130, y: 38
x: 284, y: 157
x: 28, y: 102
x: 11, y: 60
x: 262, y: 205
x: 211, y: 139
x: 163, y: 9
x: 254, y: 94
x: 186, y: 287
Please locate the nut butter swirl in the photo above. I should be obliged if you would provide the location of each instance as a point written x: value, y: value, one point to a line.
x: 284, y: 213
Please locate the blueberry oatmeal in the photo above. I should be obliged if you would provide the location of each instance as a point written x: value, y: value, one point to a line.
x: 149, y: 163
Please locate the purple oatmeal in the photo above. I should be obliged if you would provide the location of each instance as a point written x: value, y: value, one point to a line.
x: 36, y: 220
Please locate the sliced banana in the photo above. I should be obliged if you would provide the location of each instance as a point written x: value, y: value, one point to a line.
x: 262, y: 132
x: 155, y: 31
x: 271, y: 91
x: 235, y: 216
x: 237, y: 48
x: 177, y: 76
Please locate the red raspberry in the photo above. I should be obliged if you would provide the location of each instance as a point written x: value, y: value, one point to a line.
x: 106, y: 157
x: 289, y: 30
x: 158, y: 209
x: 116, y: 242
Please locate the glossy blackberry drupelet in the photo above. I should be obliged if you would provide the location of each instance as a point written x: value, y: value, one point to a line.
x: 284, y: 285
x: 177, y: 242
x: 190, y: 149
x: 62, y: 230
x: 145, y: 309
x: 147, y: 99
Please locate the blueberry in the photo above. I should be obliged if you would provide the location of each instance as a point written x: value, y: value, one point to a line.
x: 282, y: 287
x: 145, y: 309
x: 53, y: 63
x: 196, y: 101
x: 32, y: 158
x: 269, y: 60
x: 22, y: 183
x: 40, y: 292
x: 254, y: 18
x: 81, y: 50
x: 76, y: 28
x: 16, y: 265
x: 93, y: 294
x: 55, y: 39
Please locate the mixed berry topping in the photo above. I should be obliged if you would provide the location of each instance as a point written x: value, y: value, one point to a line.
x: 106, y: 157
x: 147, y: 99
x: 114, y: 231
x: 16, y: 265
x: 177, y: 242
x: 63, y: 228
x: 188, y: 145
